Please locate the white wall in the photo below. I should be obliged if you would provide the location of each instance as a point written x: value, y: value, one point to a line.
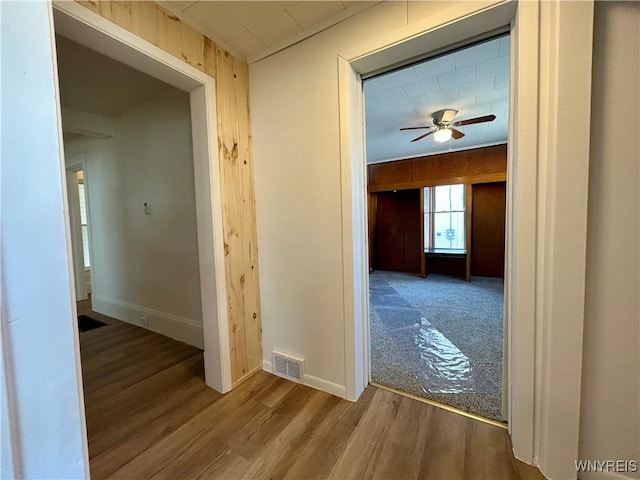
x: 146, y: 264
x: 610, y: 416
x: 39, y: 335
x: 295, y: 125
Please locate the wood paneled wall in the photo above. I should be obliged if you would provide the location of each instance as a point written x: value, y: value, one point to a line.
x: 488, y: 234
x: 480, y: 165
x: 398, y: 232
x: 154, y: 24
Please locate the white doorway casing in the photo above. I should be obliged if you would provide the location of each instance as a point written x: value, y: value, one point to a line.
x: 546, y: 210
x: 74, y: 165
x: 90, y: 29
x: 73, y: 196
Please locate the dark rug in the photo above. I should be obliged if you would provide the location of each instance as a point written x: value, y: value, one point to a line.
x: 87, y: 323
x: 439, y: 338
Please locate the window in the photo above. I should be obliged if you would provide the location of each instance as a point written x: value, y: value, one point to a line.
x: 83, y: 223
x: 444, y: 217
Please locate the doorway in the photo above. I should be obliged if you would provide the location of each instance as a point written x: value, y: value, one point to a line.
x: 77, y: 199
x: 437, y: 255
x: 80, y: 25
x: 132, y: 132
x: 436, y: 252
x: 534, y: 149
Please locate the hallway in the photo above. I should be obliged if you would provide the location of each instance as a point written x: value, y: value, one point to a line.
x: 150, y: 415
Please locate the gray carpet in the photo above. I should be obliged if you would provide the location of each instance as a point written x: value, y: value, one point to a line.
x: 439, y: 338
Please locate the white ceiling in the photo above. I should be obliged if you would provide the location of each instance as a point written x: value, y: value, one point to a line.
x: 253, y: 30
x: 92, y: 82
x: 474, y: 81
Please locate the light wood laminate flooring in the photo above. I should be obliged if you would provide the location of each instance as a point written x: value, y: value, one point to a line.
x: 150, y: 415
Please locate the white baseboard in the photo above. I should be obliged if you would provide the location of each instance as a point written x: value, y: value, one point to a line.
x: 172, y: 326
x: 325, y: 386
x: 314, y: 382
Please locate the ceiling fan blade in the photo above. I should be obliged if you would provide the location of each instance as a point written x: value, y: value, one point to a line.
x: 457, y: 134
x: 422, y: 136
x: 471, y: 121
x: 415, y: 128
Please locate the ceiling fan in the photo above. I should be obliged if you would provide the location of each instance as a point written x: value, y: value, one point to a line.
x: 443, y: 129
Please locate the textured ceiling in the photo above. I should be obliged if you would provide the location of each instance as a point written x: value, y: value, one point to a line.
x: 474, y: 81
x: 252, y: 30
x: 92, y: 82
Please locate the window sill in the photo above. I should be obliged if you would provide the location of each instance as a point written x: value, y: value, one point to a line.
x: 445, y: 251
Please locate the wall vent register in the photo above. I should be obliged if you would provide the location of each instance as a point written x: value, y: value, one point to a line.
x: 288, y: 366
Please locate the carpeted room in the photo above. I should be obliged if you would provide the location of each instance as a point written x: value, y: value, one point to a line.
x: 437, y: 305
x: 436, y: 194
x: 439, y: 338
x: 437, y: 298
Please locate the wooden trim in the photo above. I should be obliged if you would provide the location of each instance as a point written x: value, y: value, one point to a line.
x: 486, y: 178
x: 432, y: 201
x: 436, y: 168
x: 373, y: 213
x: 468, y: 226
x: 423, y: 260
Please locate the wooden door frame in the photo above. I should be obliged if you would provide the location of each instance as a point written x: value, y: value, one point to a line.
x: 94, y: 31
x: 423, y: 258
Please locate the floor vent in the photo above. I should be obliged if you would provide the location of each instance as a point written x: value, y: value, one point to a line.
x: 288, y: 367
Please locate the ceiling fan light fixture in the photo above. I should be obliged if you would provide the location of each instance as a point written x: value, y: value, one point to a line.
x: 442, y: 134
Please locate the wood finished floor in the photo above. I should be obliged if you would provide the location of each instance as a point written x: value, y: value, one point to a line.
x: 150, y: 415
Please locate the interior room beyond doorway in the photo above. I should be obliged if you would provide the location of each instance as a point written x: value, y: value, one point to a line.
x: 129, y: 134
x: 436, y: 148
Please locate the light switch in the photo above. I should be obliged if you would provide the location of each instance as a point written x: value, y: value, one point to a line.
x: 147, y: 208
